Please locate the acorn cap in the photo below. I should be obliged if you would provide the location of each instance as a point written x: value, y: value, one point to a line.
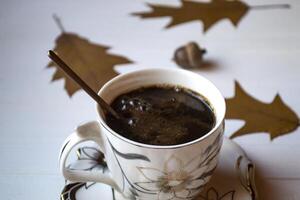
x: 189, y: 56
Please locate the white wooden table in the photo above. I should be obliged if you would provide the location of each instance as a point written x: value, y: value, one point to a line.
x: 36, y: 115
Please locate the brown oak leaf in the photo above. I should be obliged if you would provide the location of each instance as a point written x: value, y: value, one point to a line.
x: 276, y: 117
x: 90, y: 61
x: 207, y: 12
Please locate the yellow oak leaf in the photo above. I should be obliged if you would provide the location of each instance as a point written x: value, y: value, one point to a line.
x: 207, y: 12
x: 90, y: 61
x: 276, y: 117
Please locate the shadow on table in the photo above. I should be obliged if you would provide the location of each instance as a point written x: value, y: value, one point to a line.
x: 265, y: 188
x: 207, y: 65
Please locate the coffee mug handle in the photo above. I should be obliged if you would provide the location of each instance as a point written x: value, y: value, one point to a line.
x: 87, y: 132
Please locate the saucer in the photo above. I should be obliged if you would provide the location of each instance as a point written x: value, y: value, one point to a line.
x: 233, y: 178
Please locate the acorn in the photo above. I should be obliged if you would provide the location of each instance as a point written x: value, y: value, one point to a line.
x: 189, y: 56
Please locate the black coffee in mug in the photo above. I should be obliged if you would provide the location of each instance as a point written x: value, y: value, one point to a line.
x: 162, y: 115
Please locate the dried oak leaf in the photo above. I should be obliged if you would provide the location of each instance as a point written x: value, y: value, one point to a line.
x: 276, y: 117
x: 90, y: 61
x: 207, y: 12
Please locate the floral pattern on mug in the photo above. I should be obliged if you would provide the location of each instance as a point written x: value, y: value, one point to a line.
x: 176, y: 180
x: 212, y: 194
x: 89, y: 158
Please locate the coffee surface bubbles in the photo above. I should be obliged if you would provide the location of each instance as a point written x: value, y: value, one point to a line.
x: 162, y: 115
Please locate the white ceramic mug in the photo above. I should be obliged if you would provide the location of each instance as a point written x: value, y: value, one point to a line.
x: 143, y: 171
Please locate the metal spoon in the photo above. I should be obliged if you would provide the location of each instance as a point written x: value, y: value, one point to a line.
x: 53, y: 56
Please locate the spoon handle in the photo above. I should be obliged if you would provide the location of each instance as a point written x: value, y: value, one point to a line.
x: 81, y: 83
